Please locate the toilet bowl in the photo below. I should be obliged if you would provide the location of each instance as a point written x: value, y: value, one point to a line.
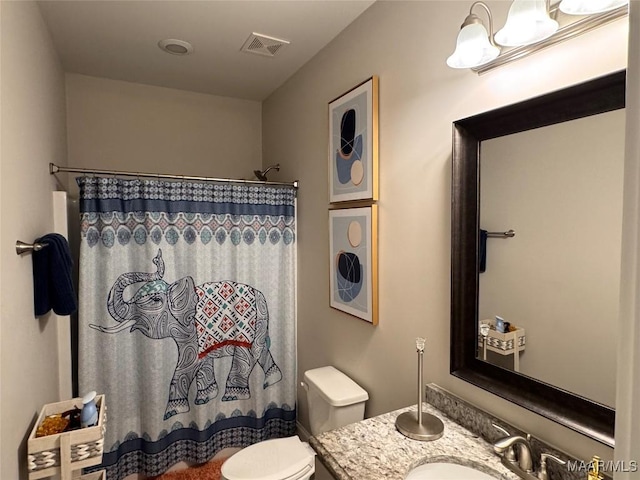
x: 333, y: 399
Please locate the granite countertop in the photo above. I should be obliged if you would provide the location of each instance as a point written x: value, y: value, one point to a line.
x: 374, y: 450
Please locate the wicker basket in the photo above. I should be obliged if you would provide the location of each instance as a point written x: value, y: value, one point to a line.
x: 65, y: 452
x: 503, y: 343
x: 509, y: 343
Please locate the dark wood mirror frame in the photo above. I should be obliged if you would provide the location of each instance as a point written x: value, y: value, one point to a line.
x: 600, y: 95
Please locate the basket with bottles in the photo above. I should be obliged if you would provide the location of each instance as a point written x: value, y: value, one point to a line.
x: 68, y: 437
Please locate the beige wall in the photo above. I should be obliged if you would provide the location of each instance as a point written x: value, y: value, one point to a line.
x: 406, y: 45
x: 33, y: 134
x: 628, y: 385
x: 560, y: 189
x: 119, y: 125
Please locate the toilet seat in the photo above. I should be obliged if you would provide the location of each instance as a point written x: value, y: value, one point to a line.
x: 277, y: 459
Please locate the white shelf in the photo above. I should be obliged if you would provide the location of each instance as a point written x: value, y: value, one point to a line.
x: 66, y: 454
x: 510, y: 343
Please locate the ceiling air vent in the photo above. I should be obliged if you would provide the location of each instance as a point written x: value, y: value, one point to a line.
x: 263, y: 45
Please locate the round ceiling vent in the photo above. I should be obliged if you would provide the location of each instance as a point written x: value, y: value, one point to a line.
x: 175, y: 47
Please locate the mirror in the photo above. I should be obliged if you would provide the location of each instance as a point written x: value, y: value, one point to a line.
x: 557, y: 280
x: 476, y: 297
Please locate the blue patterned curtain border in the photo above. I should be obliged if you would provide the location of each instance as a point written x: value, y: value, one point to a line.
x: 191, y: 444
x: 113, y: 228
x: 100, y: 194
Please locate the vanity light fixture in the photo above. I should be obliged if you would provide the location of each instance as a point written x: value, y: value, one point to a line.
x: 474, y: 46
x: 531, y: 26
x: 589, y: 7
x: 528, y: 22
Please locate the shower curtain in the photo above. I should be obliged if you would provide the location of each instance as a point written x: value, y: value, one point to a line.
x: 186, y: 317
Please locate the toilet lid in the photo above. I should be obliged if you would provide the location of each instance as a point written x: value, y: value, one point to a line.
x: 276, y: 459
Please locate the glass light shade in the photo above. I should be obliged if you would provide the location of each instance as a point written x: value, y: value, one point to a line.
x: 473, y: 48
x: 528, y: 22
x: 589, y: 7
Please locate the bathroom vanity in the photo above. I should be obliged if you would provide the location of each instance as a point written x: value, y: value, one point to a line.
x: 373, y: 449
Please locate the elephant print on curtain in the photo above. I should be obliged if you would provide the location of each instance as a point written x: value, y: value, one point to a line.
x: 187, y: 318
x: 208, y: 321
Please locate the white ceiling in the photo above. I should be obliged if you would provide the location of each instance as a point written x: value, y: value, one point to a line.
x: 118, y: 39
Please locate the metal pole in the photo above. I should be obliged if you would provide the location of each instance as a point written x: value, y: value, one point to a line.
x: 53, y: 169
x: 420, y: 386
x: 484, y: 348
x: 418, y: 425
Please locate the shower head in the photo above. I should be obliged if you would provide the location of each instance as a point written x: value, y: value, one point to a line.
x: 262, y: 175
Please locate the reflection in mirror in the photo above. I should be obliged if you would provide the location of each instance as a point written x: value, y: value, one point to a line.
x: 557, y: 278
x: 557, y: 281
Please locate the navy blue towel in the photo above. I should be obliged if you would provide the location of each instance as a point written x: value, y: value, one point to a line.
x: 52, y: 280
x: 482, y: 252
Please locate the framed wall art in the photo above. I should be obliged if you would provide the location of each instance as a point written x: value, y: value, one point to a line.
x: 353, y: 258
x: 353, y: 144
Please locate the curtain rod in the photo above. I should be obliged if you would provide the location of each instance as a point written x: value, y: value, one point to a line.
x: 53, y: 169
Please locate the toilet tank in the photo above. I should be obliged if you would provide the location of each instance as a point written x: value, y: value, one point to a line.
x: 333, y: 399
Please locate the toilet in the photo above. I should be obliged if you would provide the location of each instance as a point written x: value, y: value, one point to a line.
x: 333, y: 400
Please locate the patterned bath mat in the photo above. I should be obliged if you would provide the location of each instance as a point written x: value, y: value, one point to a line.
x: 206, y: 471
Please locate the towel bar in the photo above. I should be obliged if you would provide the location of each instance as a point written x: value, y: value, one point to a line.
x: 22, y: 247
x: 507, y: 234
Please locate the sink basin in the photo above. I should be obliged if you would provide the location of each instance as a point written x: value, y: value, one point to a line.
x: 447, y: 471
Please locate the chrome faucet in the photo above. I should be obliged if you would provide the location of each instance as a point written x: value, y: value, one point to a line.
x: 515, y: 453
x: 523, y: 448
